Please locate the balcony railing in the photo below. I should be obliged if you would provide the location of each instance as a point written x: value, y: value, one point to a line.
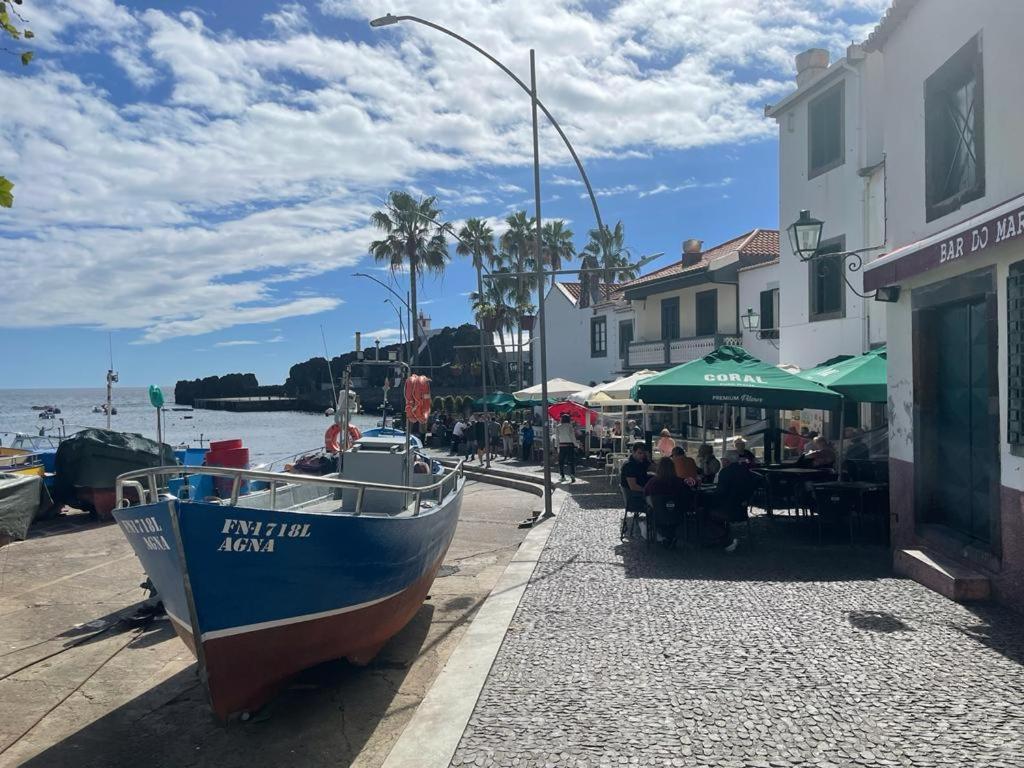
x: 666, y: 352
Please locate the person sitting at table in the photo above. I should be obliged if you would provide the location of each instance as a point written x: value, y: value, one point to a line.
x: 634, y: 431
x: 707, y: 464
x: 677, y: 495
x: 665, y: 443
x: 736, y: 484
x: 686, y: 468
x: 857, y: 450
x: 633, y: 476
x: 743, y: 453
x: 820, y: 456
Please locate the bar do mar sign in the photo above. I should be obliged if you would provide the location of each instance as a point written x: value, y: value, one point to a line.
x: 970, y: 238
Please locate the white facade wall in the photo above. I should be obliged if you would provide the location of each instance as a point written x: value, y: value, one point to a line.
x: 752, y: 281
x: 648, y: 311
x: 848, y: 198
x: 568, y: 341
x: 931, y: 34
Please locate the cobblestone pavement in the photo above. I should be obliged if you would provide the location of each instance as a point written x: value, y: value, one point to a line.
x: 782, y: 654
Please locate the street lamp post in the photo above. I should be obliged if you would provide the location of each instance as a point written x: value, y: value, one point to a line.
x: 805, y: 241
x: 536, y: 104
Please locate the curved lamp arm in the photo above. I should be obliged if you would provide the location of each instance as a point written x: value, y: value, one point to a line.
x: 389, y: 19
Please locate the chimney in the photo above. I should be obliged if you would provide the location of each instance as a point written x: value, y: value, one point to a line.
x: 692, y: 251
x: 810, y: 65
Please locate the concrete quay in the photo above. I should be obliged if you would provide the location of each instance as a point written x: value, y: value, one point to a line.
x: 79, y: 687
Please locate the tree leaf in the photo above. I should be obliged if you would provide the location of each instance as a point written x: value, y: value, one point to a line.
x: 6, y: 198
x: 26, y: 57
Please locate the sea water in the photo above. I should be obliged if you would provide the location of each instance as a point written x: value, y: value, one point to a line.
x: 270, y: 437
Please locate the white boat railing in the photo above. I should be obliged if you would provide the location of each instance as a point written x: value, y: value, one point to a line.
x: 147, y: 488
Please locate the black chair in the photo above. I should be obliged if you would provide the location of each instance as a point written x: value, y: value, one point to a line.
x: 666, y: 514
x: 631, y: 503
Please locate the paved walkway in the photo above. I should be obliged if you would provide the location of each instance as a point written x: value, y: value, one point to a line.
x: 783, y: 654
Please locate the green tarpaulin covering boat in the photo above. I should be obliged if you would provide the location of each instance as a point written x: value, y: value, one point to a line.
x: 861, y: 378
x: 732, y: 376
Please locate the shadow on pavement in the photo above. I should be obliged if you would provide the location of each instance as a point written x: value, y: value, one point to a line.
x: 324, y: 717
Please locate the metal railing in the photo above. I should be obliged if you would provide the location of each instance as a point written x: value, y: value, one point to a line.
x: 148, y: 492
x: 665, y: 352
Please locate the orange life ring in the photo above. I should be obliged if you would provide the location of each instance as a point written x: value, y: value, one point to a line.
x: 417, y: 398
x: 332, y: 442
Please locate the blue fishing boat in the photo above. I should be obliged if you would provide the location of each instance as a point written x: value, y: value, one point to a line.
x: 262, y: 585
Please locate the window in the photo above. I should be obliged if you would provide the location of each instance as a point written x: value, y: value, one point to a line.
x: 827, y: 294
x: 625, y: 338
x: 670, y: 318
x: 769, y: 314
x: 599, y: 336
x: 825, y: 139
x: 954, y: 132
x: 707, y: 312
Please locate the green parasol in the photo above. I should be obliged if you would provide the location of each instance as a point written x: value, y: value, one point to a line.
x: 731, y: 376
x: 499, y: 402
x: 861, y: 379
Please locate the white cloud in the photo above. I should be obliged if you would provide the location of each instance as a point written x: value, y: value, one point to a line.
x: 511, y: 188
x: 688, y: 184
x: 259, y: 161
x: 386, y: 336
x: 565, y: 181
x: 620, y: 189
x: 289, y: 20
x: 237, y: 343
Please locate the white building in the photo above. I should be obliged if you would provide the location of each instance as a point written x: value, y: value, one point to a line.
x: 585, y: 344
x: 690, y: 307
x: 760, y: 295
x: 952, y: 115
x: 831, y: 162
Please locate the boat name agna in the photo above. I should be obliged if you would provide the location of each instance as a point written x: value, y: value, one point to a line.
x: 257, y: 536
x: 150, y: 532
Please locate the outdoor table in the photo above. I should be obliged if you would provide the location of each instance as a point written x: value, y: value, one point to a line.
x: 781, y: 484
x: 855, y: 494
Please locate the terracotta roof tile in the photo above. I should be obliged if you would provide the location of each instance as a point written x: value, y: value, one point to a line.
x: 574, y: 291
x: 898, y: 11
x: 754, y: 247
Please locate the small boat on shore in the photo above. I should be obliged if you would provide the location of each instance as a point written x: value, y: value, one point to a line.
x: 21, y: 461
x: 20, y: 497
x: 88, y: 463
x: 299, y: 571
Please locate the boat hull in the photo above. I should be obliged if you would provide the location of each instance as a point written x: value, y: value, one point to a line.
x: 320, y: 586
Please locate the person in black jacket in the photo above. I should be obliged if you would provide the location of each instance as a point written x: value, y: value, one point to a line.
x: 736, y: 484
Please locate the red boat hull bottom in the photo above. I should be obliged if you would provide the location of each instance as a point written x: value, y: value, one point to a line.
x: 246, y: 670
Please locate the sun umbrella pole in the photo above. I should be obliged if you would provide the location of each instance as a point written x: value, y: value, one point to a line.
x: 842, y: 430
x: 703, y: 424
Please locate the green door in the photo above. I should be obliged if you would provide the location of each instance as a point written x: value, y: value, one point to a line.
x: 963, y: 456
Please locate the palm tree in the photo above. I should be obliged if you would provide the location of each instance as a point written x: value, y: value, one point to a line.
x: 476, y: 239
x: 413, y: 238
x: 493, y: 303
x: 605, y: 251
x: 556, y: 241
x: 517, y: 255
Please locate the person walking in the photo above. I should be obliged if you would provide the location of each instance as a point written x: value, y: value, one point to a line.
x: 565, y: 435
x: 458, y: 432
x: 506, y: 439
x: 527, y: 440
x: 470, y: 433
x: 480, y: 441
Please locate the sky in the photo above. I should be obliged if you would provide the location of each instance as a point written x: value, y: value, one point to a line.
x: 194, y: 182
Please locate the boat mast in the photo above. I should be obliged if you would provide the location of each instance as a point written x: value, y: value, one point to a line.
x: 111, y: 378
